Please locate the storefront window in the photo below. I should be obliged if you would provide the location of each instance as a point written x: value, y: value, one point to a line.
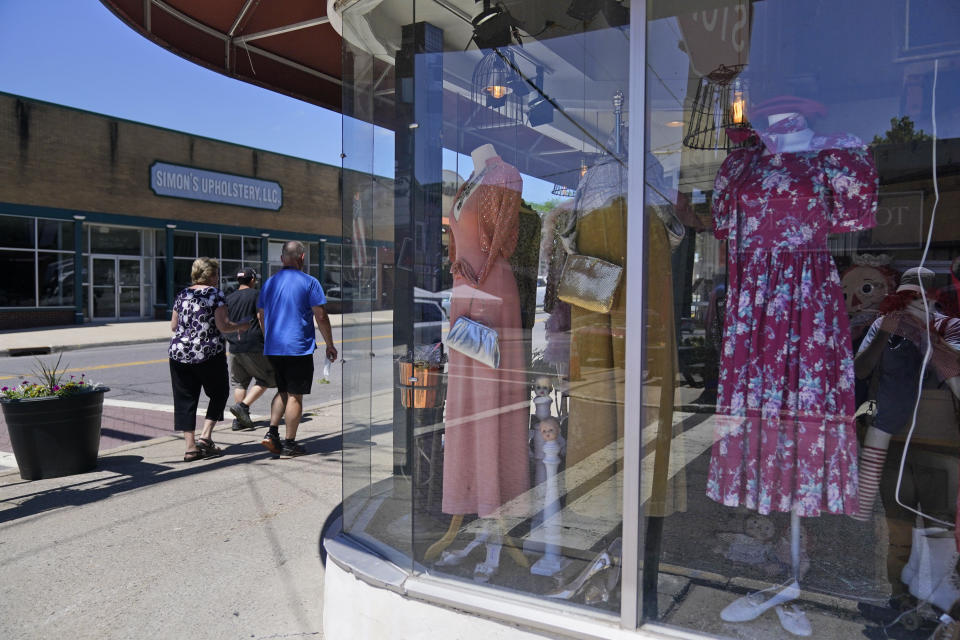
x: 16, y: 232
x: 208, y: 244
x: 184, y: 244
x: 115, y: 240
x: 807, y: 150
x: 20, y: 269
x: 54, y: 234
x: 502, y: 467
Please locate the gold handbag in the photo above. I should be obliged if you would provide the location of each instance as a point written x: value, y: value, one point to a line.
x: 590, y: 283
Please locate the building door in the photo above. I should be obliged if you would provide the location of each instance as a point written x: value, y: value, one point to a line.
x: 116, y: 289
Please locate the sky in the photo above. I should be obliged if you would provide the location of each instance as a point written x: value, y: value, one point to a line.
x: 77, y: 53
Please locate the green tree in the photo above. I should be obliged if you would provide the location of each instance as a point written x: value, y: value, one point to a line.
x: 543, y: 208
x: 901, y: 131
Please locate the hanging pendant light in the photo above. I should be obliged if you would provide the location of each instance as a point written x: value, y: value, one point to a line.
x: 493, y: 90
x: 720, y: 103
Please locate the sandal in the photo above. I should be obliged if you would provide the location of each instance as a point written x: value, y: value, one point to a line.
x: 190, y: 456
x: 208, y: 448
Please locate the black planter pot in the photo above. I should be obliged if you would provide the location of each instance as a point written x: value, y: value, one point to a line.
x: 53, y: 437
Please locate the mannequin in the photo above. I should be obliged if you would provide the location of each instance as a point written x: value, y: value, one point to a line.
x: 485, y: 453
x: 894, y: 350
x: 766, y: 455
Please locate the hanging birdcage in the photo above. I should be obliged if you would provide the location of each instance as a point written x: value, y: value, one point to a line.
x: 497, y: 91
x: 720, y: 103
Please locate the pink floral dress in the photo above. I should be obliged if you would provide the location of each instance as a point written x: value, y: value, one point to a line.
x: 785, y: 436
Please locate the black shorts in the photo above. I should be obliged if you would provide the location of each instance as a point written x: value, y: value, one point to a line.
x: 294, y: 373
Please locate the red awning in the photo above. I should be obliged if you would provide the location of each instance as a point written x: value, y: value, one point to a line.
x: 287, y: 46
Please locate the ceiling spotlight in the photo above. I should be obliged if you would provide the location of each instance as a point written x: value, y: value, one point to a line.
x: 493, y: 27
x: 539, y: 110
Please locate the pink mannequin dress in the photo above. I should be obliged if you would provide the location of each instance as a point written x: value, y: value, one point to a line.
x: 785, y: 438
x: 485, y: 446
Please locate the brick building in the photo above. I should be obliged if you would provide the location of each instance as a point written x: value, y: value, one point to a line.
x: 130, y: 206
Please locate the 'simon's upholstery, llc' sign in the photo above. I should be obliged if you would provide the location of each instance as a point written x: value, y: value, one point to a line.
x: 177, y: 181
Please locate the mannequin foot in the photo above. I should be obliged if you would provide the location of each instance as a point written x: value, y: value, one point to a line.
x: 753, y: 605
x: 794, y: 620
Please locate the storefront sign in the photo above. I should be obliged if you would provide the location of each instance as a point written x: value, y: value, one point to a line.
x: 177, y: 181
x: 899, y: 220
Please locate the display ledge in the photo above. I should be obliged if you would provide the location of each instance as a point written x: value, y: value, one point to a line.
x: 367, y: 596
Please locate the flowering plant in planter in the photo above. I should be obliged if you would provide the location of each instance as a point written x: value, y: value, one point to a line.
x: 53, y: 384
x: 53, y: 424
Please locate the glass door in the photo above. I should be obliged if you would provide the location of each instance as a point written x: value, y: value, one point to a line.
x: 115, y: 288
x: 128, y: 287
x: 103, y: 288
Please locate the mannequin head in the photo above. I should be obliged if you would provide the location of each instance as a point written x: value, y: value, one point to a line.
x: 549, y: 429
x: 481, y: 154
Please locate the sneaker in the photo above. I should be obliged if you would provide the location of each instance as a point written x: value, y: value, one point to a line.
x: 291, y: 449
x: 242, y: 412
x: 272, y: 442
x: 235, y: 426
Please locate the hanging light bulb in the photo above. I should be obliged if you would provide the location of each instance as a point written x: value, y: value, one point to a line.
x: 497, y: 91
x: 739, y: 104
x: 583, y: 168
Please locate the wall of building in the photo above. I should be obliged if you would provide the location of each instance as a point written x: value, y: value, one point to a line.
x: 62, y: 158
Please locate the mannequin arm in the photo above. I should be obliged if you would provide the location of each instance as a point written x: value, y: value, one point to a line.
x: 868, y: 359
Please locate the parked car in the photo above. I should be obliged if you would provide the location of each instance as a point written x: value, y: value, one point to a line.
x: 429, y: 315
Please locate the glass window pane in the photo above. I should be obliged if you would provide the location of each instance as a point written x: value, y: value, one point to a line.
x: 185, y: 244
x: 54, y: 234
x: 56, y: 279
x: 19, y: 281
x: 231, y: 247
x: 208, y: 245
x: 333, y: 254
x: 16, y: 232
x: 114, y: 240
x: 796, y: 144
x: 251, y: 250
x: 464, y: 451
x: 181, y: 274
x: 228, y: 275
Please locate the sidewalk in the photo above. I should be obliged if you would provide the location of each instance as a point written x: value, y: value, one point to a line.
x: 53, y: 339
x: 148, y: 546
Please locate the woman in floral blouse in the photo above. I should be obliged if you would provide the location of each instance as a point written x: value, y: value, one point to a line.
x: 198, y: 356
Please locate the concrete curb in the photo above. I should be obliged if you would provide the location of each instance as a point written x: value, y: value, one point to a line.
x: 31, y: 350
x: 17, y: 352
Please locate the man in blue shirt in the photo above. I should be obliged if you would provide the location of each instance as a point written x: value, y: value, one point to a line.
x: 289, y: 302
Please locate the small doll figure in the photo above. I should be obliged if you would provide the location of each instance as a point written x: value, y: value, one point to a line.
x: 546, y: 430
x: 550, y: 431
x: 542, y: 388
